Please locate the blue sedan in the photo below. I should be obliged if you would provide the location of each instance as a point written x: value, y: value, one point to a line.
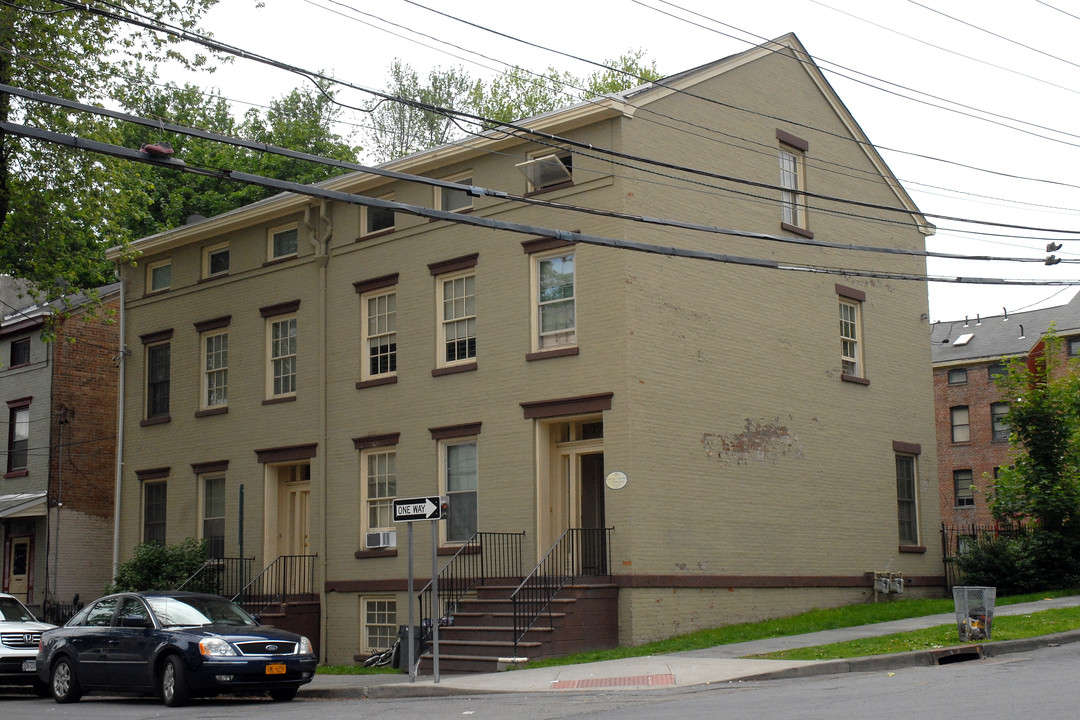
x: 176, y: 645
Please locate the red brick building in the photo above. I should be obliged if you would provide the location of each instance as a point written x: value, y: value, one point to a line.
x: 972, y: 436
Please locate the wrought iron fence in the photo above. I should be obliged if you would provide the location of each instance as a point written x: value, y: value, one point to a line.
x: 220, y: 576
x: 288, y: 576
x: 60, y: 613
x: 957, y: 539
x: 578, y: 553
x: 486, y: 556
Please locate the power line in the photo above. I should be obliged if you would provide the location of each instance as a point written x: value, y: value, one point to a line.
x: 464, y: 219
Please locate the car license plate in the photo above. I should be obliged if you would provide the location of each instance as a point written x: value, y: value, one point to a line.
x: 275, y: 669
x: 29, y: 665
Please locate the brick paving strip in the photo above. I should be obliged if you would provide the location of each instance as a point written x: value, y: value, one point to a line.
x: 667, y: 679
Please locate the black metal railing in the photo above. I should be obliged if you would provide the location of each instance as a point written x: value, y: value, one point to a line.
x: 220, y: 576
x: 956, y: 539
x: 486, y: 556
x: 288, y: 576
x: 579, y: 553
x: 60, y: 613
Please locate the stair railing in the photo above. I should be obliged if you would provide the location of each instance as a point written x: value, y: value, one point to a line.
x: 220, y: 576
x: 486, y: 556
x: 287, y: 575
x: 579, y: 552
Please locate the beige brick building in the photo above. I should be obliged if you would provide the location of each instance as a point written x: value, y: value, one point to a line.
x: 743, y: 447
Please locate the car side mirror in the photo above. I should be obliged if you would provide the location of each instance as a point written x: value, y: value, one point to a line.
x: 134, y: 621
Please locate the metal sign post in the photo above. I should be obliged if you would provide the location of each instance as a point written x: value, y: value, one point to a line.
x: 410, y: 510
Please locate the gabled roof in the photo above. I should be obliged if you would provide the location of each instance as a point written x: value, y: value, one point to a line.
x: 16, y: 320
x: 557, y: 121
x: 1000, y: 335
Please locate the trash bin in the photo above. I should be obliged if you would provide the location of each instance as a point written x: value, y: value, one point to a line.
x: 974, y: 611
x: 420, y: 635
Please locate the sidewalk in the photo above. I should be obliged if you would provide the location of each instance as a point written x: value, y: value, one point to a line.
x: 720, y: 664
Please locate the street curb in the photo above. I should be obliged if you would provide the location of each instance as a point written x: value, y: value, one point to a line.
x: 874, y: 663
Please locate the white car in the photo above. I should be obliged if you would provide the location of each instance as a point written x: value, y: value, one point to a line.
x: 20, y: 634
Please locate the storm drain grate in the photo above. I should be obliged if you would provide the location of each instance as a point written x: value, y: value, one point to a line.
x: 629, y: 681
x: 957, y: 654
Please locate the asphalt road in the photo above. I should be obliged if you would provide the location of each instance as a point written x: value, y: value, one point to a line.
x: 1041, y: 684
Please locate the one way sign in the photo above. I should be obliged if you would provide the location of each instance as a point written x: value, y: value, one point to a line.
x: 413, y: 509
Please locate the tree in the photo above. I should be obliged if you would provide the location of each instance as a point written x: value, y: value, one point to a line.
x: 157, y: 566
x: 58, y: 207
x: 1042, y: 486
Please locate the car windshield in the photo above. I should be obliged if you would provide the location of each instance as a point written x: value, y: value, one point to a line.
x: 189, y: 611
x: 11, y: 610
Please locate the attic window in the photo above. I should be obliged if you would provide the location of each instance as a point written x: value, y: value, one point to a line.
x: 963, y: 339
x: 548, y: 171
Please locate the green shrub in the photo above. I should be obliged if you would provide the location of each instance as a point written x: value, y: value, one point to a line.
x: 1005, y: 562
x: 157, y: 566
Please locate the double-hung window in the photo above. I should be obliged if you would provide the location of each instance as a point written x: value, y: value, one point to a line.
x: 159, y: 276
x: 379, y: 624
x: 216, y: 261
x: 554, y: 299
x: 377, y: 220
x: 380, y: 488
x: 458, y: 327
x: 282, y: 242
x: 213, y: 516
x: 960, y: 422
x: 214, y: 360
x: 283, y: 356
x: 459, y: 485
x: 380, y: 334
x: 851, y: 341
x: 906, y: 500
x: 18, y: 435
x: 155, y: 496
x: 793, y: 182
x: 158, y: 370
x: 20, y: 352
x: 998, y: 411
x: 963, y: 494
x: 454, y: 199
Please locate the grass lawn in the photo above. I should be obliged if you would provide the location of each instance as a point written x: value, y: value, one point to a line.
x: 815, y: 620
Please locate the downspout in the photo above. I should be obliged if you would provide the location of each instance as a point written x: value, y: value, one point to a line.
x: 320, y: 240
x: 120, y: 358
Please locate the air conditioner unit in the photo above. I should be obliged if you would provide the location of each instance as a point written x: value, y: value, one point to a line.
x: 386, y: 539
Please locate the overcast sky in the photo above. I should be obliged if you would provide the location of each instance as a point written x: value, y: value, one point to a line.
x: 1009, y: 72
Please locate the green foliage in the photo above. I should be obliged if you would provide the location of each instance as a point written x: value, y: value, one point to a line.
x: 157, y: 566
x: 1005, y: 562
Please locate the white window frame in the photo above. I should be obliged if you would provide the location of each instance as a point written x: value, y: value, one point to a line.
x: 851, y: 350
x: 366, y: 645
x: 533, y: 167
x: 565, y: 337
x: 273, y: 356
x: 207, y: 260
x: 385, y: 471
x: 465, y: 304
x: 18, y: 432
x: 955, y: 415
x: 441, y: 193
x: 444, y: 486
x: 914, y: 500
x: 151, y: 275
x: 366, y: 213
x: 214, y: 365
x: 368, y: 334
x: 204, y: 480
x: 273, y: 232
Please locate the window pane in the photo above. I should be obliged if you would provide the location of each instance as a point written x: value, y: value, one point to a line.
x: 957, y: 377
x: 960, y: 428
x: 997, y: 417
x: 461, y: 484
x: 379, y: 219
x: 459, y: 321
x: 285, y: 243
x: 214, y: 516
x: 20, y: 352
x: 381, y: 331
x: 217, y: 369
x: 381, y: 490
x: 905, y: 500
x: 219, y: 262
x: 157, y: 387
x: 380, y: 624
x: 154, y: 499
x: 283, y: 355
x: 452, y: 199
x: 963, y: 492
x: 161, y: 277
x: 20, y: 438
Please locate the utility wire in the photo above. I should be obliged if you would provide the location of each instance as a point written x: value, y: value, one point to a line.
x: 475, y: 221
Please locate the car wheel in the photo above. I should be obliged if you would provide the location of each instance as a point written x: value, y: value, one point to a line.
x: 174, y: 685
x: 65, y: 685
x: 283, y: 694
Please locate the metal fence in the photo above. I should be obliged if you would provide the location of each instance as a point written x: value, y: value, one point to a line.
x: 957, y: 539
x: 221, y: 576
x: 486, y: 556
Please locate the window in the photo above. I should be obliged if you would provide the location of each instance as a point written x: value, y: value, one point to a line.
x: 375, y: 220
x: 154, y: 504
x: 1074, y: 346
x: 18, y: 435
x: 380, y: 335
x: 996, y: 370
x: 959, y: 418
x: 792, y: 180
x: 282, y: 370
x: 453, y: 200
x: 102, y: 612
x: 213, y: 516
x: 850, y: 351
x: 555, y: 300
x: 958, y: 376
x: 20, y: 352
x: 963, y: 493
x: 997, y: 420
x: 157, y: 380
x: 906, y: 505
x: 961, y: 431
x: 459, y: 485
x: 379, y: 623
x: 216, y: 261
x: 380, y: 489
x: 457, y: 330
x: 159, y: 276
x: 283, y: 242
x: 215, y: 379
x: 548, y: 169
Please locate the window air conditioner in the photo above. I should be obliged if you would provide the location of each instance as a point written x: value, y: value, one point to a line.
x: 386, y: 539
